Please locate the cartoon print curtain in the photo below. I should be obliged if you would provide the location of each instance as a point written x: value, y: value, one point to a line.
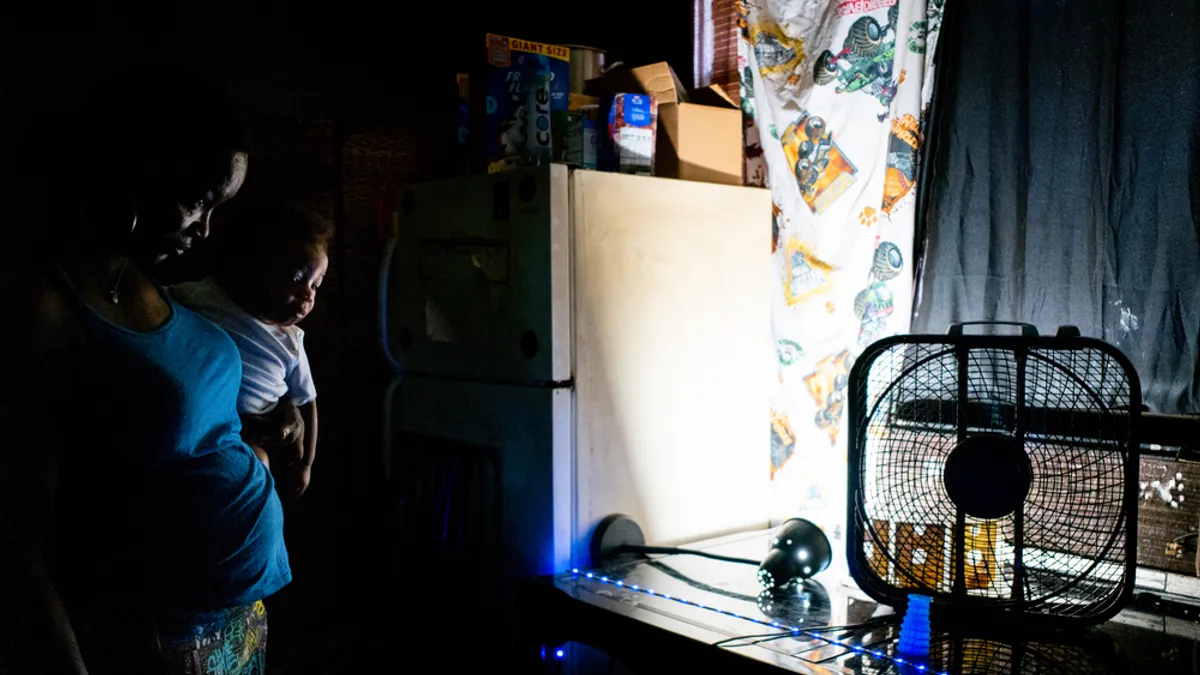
x: 834, y: 95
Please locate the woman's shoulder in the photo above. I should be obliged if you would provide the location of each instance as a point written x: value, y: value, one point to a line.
x: 34, y: 298
x: 41, y: 327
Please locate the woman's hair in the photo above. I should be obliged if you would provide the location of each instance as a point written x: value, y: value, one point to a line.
x: 252, y: 231
x: 159, y: 124
x: 160, y: 130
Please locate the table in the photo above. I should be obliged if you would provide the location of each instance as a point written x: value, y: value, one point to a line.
x: 666, y: 615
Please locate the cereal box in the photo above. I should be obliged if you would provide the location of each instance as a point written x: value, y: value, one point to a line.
x: 526, y: 89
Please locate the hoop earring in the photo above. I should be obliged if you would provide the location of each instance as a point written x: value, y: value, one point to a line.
x: 90, y: 235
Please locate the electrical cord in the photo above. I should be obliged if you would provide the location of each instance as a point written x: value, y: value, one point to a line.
x: 676, y: 574
x: 811, y: 632
x: 756, y: 637
x: 671, y: 550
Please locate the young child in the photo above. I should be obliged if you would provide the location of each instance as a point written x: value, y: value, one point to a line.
x: 271, y: 258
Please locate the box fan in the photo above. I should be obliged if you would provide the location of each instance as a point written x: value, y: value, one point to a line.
x: 996, y: 474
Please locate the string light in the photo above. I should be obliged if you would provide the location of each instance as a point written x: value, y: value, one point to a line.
x: 795, y: 630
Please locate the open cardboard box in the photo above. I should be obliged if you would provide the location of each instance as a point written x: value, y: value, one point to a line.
x: 699, y: 133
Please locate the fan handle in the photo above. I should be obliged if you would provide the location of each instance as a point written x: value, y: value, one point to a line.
x: 1027, y: 329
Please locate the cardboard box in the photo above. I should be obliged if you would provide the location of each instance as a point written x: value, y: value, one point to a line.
x: 699, y: 132
x: 579, y: 101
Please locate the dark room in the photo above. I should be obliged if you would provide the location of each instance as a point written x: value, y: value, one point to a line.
x: 832, y: 337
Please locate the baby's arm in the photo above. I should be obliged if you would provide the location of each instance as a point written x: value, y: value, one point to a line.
x: 308, y: 413
x: 302, y: 390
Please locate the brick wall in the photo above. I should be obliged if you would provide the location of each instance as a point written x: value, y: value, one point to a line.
x: 715, y: 23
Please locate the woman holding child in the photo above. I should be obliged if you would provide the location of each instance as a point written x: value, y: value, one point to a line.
x: 150, y: 532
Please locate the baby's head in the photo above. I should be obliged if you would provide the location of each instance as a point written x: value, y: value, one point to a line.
x: 273, y: 257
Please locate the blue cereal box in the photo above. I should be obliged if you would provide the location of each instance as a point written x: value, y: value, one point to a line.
x: 526, y: 102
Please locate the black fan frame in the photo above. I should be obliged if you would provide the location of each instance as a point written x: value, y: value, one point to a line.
x: 975, y: 610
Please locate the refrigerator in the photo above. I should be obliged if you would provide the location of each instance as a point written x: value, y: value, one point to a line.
x: 571, y: 344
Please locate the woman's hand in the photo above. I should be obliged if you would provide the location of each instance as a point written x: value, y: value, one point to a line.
x: 280, y: 432
x: 290, y: 427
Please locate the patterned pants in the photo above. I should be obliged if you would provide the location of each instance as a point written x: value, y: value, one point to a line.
x: 224, y: 642
x: 228, y: 642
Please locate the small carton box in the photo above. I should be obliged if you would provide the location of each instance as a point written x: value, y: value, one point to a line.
x: 526, y: 99
x: 581, y: 142
x: 699, y: 132
x: 631, y: 130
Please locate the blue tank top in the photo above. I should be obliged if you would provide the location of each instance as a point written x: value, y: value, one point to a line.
x: 159, y: 501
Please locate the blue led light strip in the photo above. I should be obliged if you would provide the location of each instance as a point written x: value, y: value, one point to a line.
x: 796, y: 630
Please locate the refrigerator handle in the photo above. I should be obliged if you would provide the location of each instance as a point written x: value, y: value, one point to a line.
x: 385, y: 269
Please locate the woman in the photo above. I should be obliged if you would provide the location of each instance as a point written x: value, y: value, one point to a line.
x: 151, y: 531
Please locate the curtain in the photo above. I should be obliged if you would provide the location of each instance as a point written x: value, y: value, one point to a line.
x: 834, y: 95
x: 1064, y: 182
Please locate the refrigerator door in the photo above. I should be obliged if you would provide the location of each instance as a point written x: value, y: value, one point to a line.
x: 490, y: 459
x: 674, y: 359
x: 481, y: 480
x: 479, y: 281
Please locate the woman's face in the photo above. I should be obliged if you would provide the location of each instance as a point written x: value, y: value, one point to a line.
x: 168, y: 225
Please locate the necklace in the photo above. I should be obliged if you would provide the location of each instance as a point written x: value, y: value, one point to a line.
x: 114, y: 293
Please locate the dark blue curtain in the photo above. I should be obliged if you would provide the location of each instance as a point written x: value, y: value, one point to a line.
x: 1062, y: 180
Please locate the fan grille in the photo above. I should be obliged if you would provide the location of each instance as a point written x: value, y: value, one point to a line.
x: 1066, y: 550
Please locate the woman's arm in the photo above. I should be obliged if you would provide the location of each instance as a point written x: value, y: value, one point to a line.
x: 47, y: 611
x: 36, y: 356
x: 260, y: 431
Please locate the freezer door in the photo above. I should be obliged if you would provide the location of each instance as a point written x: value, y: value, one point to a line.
x: 490, y: 459
x: 479, y: 280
